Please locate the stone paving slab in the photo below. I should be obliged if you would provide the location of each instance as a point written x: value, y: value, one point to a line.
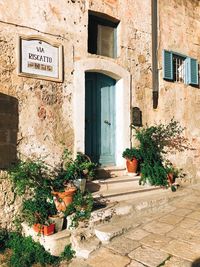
x: 148, y: 256
x: 106, y: 258
x: 136, y: 234
x: 183, y: 250
x: 75, y: 263
x: 158, y: 227
x: 180, y: 233
x: 155, y: 241
x: 181, y: 212
x: 123, y: 245
x: 171, y: 219
x: 177, y: 262
x: 194, y: 215
x: 135, y: 264
x: 188, y: 222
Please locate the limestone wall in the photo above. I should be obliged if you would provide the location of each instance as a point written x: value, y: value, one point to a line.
x: 179, y: 31
x: 45, y: 108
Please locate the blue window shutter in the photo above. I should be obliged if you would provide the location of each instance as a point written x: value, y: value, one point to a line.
x: 192, y: 76
x: 167, y: 65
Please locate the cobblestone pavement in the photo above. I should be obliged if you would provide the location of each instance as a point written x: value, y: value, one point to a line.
x: 169, y: 238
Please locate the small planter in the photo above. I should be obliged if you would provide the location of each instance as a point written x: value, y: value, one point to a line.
x: 58, y: 221
x: 44, y: 229
x: 63, y: 199
x: 80, y: 184
x: 132, y: 165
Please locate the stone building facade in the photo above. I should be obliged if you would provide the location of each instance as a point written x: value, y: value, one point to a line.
x: 106, y: 44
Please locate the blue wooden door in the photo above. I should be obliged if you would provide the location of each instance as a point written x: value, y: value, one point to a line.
x: 100, y: 118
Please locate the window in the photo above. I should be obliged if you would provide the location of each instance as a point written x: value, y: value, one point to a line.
x: 180, y: 68
x: 102, y: 31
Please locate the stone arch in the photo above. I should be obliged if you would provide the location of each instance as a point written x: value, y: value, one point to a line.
x: 122, y: 77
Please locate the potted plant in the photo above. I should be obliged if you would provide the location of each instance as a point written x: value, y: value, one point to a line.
x: 155, y: 142
x: 85, y: 171
x: 63, y: 199
x: 80, y: 209
x: 132, y: 156
x: 36, y: 212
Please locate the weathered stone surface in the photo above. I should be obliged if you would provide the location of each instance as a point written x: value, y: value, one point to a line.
x: 106, y: 232
x: 75, y: 263
x: 84, y: 247
x: 177, y: 262
x: 105, y: 257
x: 123, y: 245
x: 158, y: 227
x: 171, y: 219
x: 155, y: 241
x: 180, y: 233
x: 137, y: 234
x: 135, y: 264
x: 194, y: 215
x: 148, y: 256
x: 188, y: 222
x: 183, y: 250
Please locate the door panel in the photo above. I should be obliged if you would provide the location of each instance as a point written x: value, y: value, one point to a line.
x: 100, y: 118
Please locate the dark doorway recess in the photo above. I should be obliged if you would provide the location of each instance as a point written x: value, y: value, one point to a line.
x: 8, y: 130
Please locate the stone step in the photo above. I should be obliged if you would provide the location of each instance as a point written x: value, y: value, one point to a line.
x: 134, y: 204
x: 125, y: 215
x: 111, y: 171
x: 125, y: 182
x: 110, y: 230
x: 119, y: 188
x: 124, y: 194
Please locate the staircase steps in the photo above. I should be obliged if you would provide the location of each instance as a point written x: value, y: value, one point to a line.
x: 115, y: 184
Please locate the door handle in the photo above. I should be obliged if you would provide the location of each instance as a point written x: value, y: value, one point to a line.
x: 107, y: 122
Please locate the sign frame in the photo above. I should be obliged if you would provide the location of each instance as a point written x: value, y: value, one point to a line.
x: 38, y: 38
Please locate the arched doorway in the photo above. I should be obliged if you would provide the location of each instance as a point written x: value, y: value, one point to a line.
x: 100, y: 120
x: 121, y: 78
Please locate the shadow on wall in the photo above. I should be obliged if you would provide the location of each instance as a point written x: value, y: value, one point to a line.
x: 196, y: 263
x: 8, y: 130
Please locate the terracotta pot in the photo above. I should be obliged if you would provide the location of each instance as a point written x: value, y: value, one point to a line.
x: 132, y: 165
x: 44, y: 229
x: 170, y: 178
x: 63, y: 199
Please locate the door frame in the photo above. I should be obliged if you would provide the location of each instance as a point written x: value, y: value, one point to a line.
x: 122, y: 77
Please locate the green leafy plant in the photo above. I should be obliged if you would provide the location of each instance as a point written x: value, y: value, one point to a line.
x: 130, y: 153
x: 28, y: 174
x: 72, y: 169
x: 68, y: 253
x: 81, y: 207
x: 26, y: 252
x: 3, y: 239
x: 38, y: 210
x: 155, y: 142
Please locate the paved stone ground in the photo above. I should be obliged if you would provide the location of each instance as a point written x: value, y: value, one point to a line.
x: 169, y: 238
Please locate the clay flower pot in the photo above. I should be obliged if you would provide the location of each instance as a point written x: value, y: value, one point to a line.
x: 132, y: 165
x: 63, y: 199
x: 58, y: 221
x: 44, y: 229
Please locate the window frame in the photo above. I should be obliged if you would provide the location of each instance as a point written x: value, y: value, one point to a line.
x: 191, y: 73
x: 95, y: 19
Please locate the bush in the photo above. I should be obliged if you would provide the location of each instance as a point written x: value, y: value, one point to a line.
x: 26, y: 252
x: 3, y: 239
x: 155, y: 142
x: 68, y: 253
